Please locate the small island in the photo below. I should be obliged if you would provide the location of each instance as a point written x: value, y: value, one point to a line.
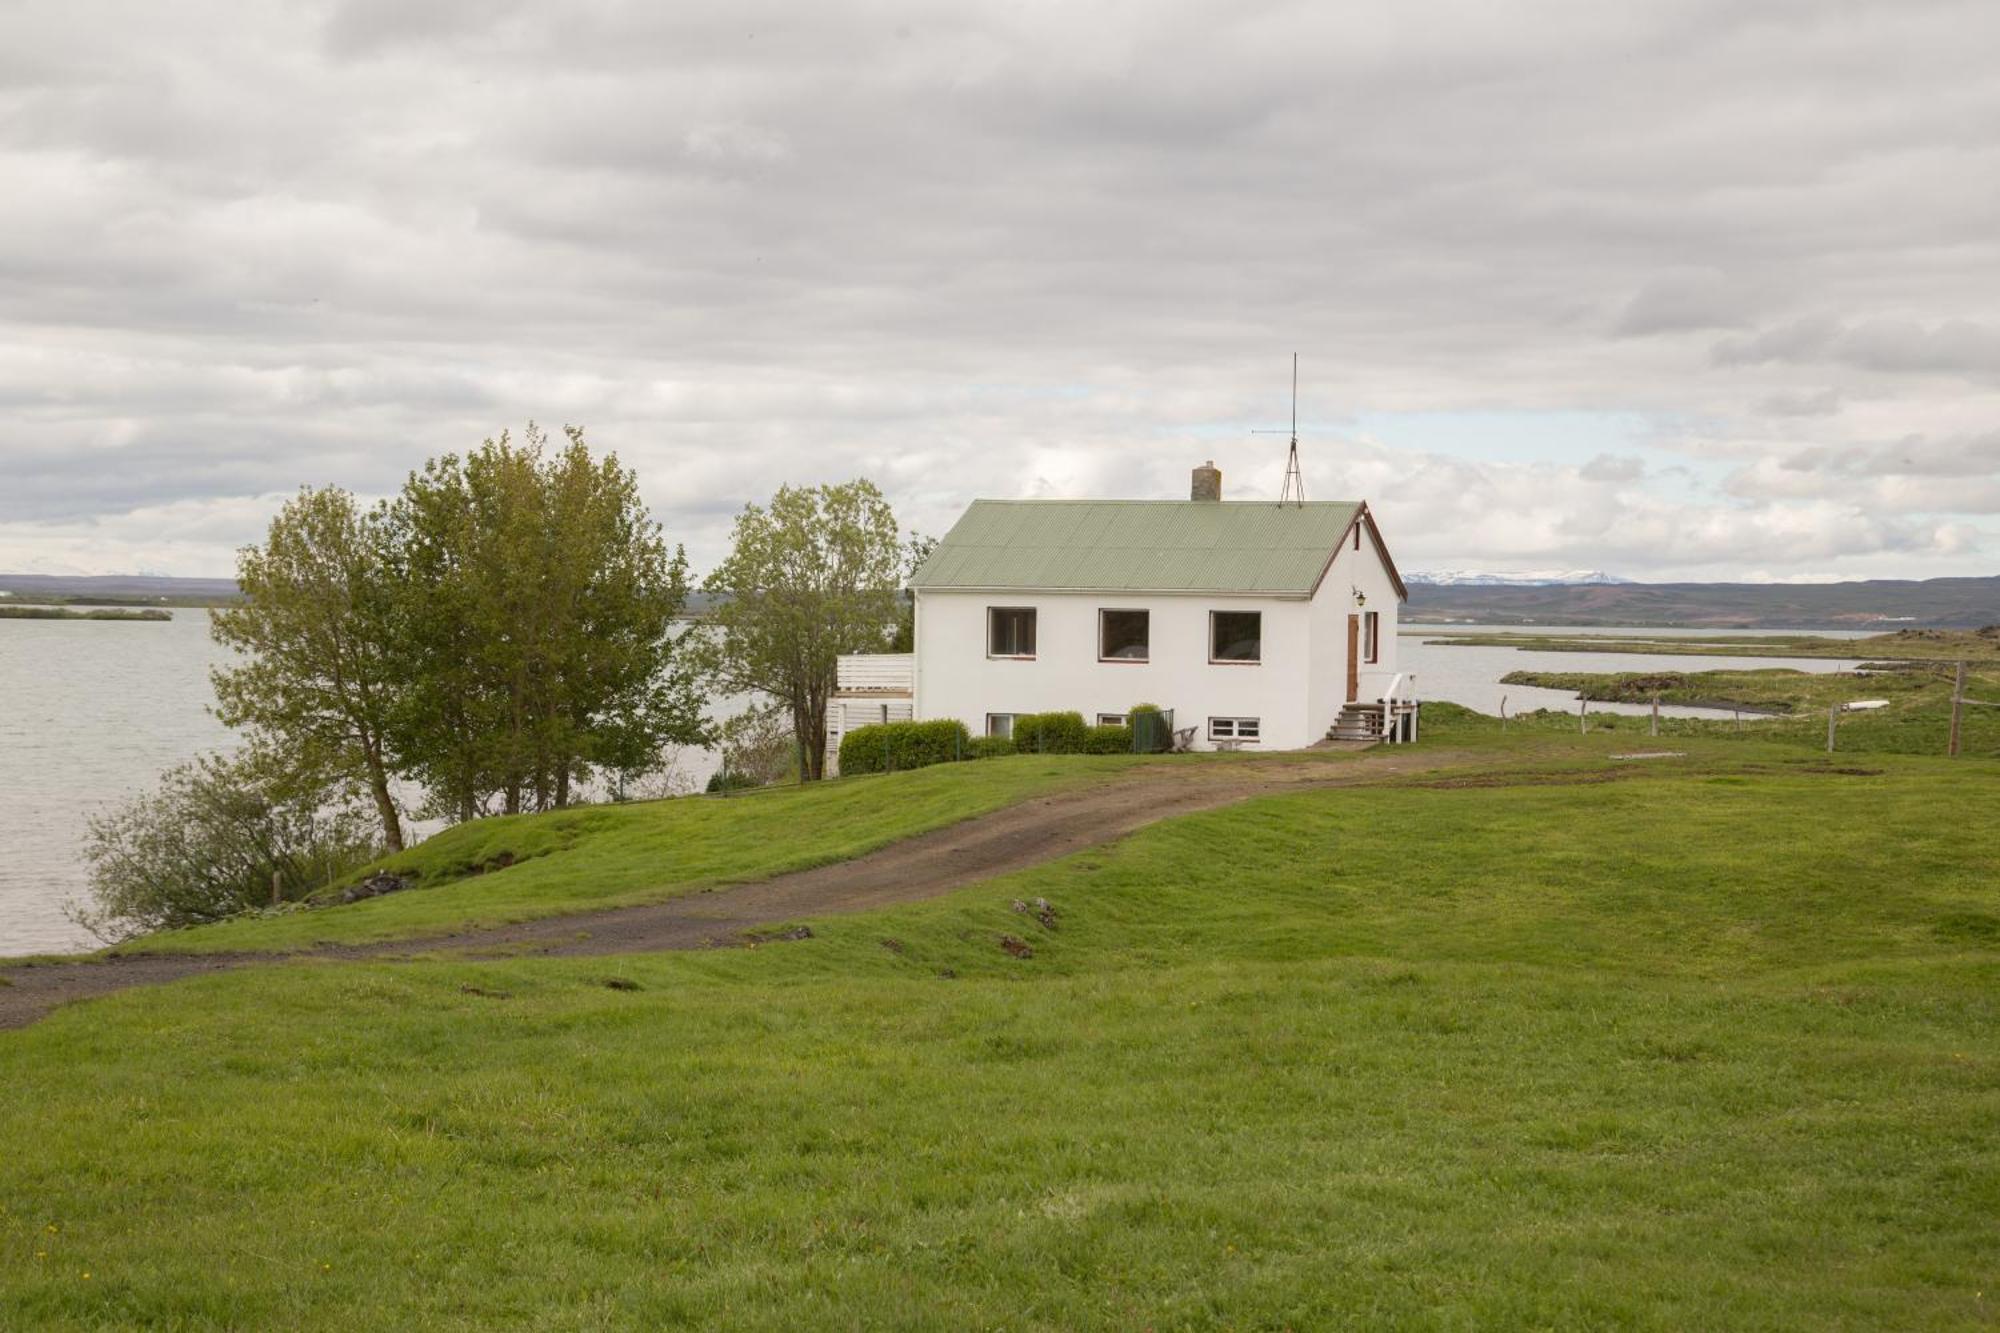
x: 65, y: 613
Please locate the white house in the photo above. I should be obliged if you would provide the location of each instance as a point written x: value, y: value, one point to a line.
x: 1258, y: 624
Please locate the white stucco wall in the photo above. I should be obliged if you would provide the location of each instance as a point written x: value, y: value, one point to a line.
x: 1295, y: 692
x: 955, y: 677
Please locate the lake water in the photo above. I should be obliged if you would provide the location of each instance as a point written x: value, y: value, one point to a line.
x: 92, y: 711
x: 1470, y: 674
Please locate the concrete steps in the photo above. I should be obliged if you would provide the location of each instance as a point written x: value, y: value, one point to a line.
x: 1357, y: 722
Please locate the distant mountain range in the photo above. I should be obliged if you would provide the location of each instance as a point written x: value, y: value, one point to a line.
x: 1886, y: 604
x: 1586, y: 597
x: 121, y: 588
x: 1468, y: 578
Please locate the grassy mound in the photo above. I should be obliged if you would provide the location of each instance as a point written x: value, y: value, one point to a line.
x: 1689, y: 1050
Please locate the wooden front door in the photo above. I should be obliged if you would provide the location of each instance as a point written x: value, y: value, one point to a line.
x: 1353, y: 658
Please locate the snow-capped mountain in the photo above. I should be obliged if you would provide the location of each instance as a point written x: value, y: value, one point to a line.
x: 1534, y: 578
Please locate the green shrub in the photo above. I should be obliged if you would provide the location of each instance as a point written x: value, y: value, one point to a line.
x: 208, y: 841
x: 732, y: 780
x: 895, y: 746
x: 1050, y: 733
x: 1108, y: 740
x: 990, y: 747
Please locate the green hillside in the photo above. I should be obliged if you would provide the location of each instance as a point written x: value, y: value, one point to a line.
x: 601, y: 856
x: 1556, y: 1040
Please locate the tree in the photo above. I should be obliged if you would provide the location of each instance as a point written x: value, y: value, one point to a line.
x: 813, y: 575
x: 209, y: 842
x: 321, y: 678
x: 917, y: 550
x: 539, y: 618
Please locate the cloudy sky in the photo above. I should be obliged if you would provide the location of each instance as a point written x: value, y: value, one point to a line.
x: 1705, y: 289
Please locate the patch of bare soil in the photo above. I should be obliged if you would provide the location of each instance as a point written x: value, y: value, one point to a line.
x: 1010, y: 839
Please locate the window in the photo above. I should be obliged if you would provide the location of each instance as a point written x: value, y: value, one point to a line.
x: 1000, y: 724
x: 1371, y: 636
x: 1010, y: 631
x: 1233, y: 728
x: 1235, y: 636
x: 1124, y: 636
x: 1111, y: 719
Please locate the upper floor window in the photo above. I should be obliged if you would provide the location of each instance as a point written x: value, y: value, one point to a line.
x: 1124, y: 636
x: 1010, y: 631
x: 1235, y: 636
x: 1371, y: 636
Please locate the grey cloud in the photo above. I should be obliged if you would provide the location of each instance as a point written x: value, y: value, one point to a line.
x: 1807, y: 403
x: 252, y: 246
x: 1684, y: 301
x: 1893, y: 346
x: 1606, y: 468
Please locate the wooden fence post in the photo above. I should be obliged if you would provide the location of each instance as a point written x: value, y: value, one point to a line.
x: 1503, y: 712
x: 1832, y: 712
x: 1656, y: 712
x: 1957, y: 707
x: 277, y: 891
x: 1582, y: 716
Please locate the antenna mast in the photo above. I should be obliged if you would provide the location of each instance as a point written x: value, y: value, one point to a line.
x: 1294, y: 491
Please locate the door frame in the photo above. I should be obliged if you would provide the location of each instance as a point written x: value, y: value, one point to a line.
x: 1353, y: 658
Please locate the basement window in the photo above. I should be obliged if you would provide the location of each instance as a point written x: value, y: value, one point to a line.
x: 1233, y: 728
x: 1010, y: 631
x: 1235, y: 636
x: 1001, y: 725
x: 1111, y: 719
x: 1124, y: 636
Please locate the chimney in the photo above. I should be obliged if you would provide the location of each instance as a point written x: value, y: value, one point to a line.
x: 1207, y: 483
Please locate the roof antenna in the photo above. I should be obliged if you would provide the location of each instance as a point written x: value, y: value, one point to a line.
x: 1294, y: 492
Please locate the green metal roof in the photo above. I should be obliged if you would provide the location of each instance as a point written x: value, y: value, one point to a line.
x: 1226, y: 546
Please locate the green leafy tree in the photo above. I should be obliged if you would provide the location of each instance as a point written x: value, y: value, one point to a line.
x: 810, y: 576
x: 318, y: 677
x: 539, y: 616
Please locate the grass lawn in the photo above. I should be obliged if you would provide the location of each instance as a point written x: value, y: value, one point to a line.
x: 610, y: 855
x: 1691, y: 1049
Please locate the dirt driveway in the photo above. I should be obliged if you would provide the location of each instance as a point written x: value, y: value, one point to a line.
x: 998, y: 843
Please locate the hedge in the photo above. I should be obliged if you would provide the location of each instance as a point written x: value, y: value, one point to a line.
x: 990, y: 747
x: 1050, y: 733
x: 1108, y: 740
x: 894, y: 746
